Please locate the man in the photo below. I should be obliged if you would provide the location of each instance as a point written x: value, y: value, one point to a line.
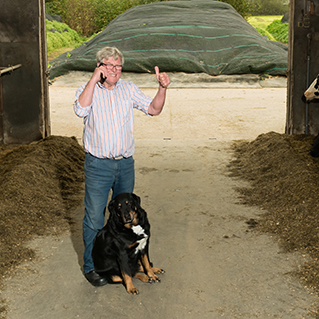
x: 106, y: 103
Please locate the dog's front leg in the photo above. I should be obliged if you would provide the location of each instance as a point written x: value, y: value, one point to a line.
x: 129, y: 284
x: 148, y: 269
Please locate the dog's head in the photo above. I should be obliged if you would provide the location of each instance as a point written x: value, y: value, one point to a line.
x: 125, y: 208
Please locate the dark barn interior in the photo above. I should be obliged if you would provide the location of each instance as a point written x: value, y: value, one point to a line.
x: 24, y: 110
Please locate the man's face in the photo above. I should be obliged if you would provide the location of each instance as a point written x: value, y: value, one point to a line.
x: 113, y: 70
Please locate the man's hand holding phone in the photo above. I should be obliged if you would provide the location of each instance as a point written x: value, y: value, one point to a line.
x: 103, y: 78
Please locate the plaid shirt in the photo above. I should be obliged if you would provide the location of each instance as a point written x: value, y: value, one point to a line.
x: 109, y: 120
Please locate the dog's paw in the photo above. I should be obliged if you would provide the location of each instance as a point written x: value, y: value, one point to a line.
x: 153, y: 278
x: 132, y: 291
x: 158, y: 271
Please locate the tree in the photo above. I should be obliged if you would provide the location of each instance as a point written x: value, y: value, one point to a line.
x: 243, y: 7
x: 269, y: 7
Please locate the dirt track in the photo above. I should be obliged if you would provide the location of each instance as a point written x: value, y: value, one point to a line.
x: 215, y: 266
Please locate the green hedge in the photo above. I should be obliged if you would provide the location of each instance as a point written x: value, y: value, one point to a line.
x: 63, y: 37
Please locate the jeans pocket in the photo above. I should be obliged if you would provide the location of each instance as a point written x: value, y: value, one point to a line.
x: 89, y: 160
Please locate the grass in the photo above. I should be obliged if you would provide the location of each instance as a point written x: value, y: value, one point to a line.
x: 271, y: 27
x: 279, y: 31
x: 55, y: 53
x: 262, y: 21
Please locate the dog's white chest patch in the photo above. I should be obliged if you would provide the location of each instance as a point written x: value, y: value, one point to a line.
x: 138, y: 230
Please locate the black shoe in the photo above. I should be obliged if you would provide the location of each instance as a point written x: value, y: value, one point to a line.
x: 95, y: 279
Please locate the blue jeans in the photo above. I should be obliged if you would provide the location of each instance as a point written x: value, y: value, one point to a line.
x: 102, y: 175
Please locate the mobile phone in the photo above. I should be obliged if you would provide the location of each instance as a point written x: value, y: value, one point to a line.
x: 103, y: 78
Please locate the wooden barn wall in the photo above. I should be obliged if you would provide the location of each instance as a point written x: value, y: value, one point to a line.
x: 303, y: 66
x: 24, y: 115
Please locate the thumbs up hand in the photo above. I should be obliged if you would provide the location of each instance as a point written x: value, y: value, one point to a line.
x: 162, y: 78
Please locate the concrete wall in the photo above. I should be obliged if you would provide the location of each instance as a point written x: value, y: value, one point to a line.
x: 23, y: 93
x: 303, y: 66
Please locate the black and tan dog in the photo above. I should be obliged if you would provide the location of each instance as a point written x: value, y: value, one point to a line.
x: 120, y: 249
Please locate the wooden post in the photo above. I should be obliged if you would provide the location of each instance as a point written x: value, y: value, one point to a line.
x: 303, y: 66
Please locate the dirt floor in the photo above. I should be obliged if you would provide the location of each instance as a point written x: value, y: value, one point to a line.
x: 232, y: 202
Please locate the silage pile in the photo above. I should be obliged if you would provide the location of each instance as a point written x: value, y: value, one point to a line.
x: 284, y: 181
x: 40, y: 182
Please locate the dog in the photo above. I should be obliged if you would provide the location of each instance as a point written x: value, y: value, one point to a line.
x: 121, y: 248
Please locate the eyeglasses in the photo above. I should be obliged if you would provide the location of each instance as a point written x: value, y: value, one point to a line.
x: 110, y: 66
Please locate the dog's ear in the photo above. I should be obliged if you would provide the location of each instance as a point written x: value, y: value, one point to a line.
x: 141, y: 213
x: 137, y: 200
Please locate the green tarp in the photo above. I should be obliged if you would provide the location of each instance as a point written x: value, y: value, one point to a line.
x: 191, y: 36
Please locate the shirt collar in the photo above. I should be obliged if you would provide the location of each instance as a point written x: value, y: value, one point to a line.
x: 101, y: 86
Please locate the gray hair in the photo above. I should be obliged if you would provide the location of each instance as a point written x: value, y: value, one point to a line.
x: 109, y: 52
